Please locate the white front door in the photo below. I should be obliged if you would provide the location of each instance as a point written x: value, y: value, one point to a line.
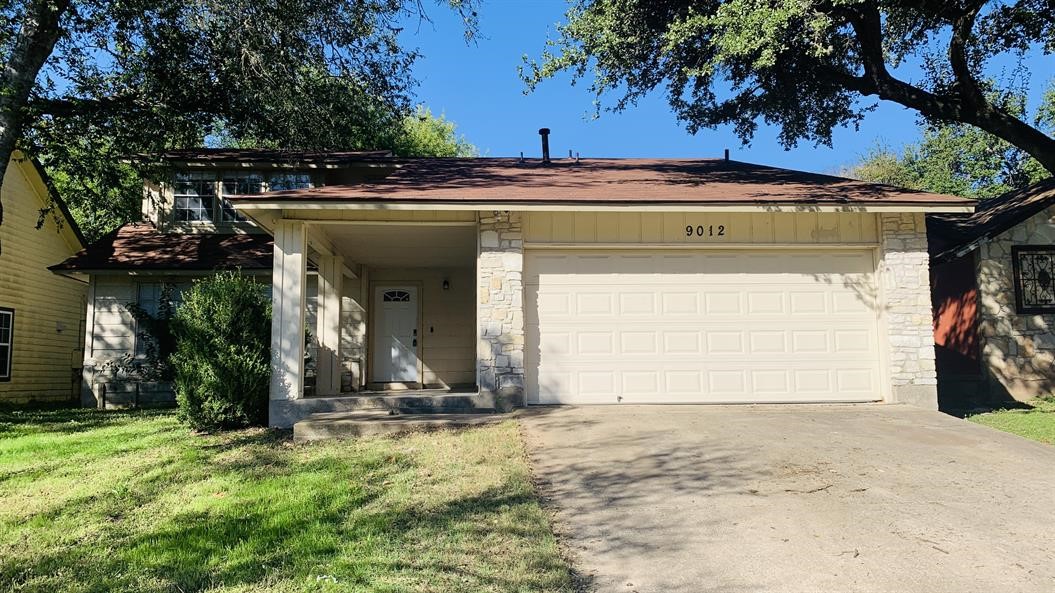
x: 396, y: 324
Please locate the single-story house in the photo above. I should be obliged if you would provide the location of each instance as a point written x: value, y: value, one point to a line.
x: 563, y: 281
x: 41, y: 314
x: 993, y: 277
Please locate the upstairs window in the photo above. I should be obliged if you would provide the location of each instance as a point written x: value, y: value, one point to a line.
x: 194, y: 195
x: 237, y: 183
x: 7, y: 330
x: 200, y: 196
x: 287, y: 181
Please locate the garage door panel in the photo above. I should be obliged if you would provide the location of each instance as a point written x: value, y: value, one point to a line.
x: 681, y: 340
x: 670, y: 327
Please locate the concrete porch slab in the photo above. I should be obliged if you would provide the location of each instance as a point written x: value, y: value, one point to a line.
x: 285, y: 413
x: 345, y: 425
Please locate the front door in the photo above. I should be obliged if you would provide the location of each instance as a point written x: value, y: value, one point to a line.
x: 396, y: 324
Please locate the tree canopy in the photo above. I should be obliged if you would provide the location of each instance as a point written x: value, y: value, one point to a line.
x: 959, y: 159
x: 806, y: 64
x: 87, y: 82
x: 104, y: 190
x: 425, y: 134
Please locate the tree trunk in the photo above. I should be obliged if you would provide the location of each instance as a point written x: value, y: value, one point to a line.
x: 1017, y: 133
x: 38, y: 32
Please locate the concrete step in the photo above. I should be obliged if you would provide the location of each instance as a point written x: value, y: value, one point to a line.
x: 347, y: 425
x: 287, y: 412
x: 410, y: 403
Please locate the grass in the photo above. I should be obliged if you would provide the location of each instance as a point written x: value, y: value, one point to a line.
x: 1037, y: 422
x: 132, y: 501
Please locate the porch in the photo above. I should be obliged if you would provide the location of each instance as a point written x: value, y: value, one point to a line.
x: 377, y: 312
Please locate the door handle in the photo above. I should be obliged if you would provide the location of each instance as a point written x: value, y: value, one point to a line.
x: 415, y: 331
x: 415, y: 342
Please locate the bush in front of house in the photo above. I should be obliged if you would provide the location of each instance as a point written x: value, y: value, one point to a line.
x: 221, y: 363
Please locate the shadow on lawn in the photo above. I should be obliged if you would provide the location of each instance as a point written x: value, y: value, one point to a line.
x: 50, y: 419
x: 253, y: 512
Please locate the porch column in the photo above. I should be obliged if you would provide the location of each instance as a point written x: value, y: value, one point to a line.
x: 288, y: 280
x: 500, y: 309
x: 904, y: 272
x: 328, y: 330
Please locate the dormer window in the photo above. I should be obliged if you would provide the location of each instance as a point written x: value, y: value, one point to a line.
x: 199, y: 196
x: 194, y: 195
x: 287, y: 181
x: 236, y: 184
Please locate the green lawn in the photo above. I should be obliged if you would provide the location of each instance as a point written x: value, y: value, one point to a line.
x: 1037, y: 423
x: 94, y: 501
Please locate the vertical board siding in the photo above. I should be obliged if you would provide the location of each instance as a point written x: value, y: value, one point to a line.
x: 49, y: 309
x: 669, y: 227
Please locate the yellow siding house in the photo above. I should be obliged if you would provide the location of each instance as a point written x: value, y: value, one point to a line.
x: 41, y: 313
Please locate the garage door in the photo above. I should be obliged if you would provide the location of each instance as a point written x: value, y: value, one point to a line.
x: 701, y: 326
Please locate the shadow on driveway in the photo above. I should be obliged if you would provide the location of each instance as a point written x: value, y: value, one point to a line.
x: 794, y: 498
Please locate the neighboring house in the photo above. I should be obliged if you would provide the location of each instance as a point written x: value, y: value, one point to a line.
x: 41, y: 315
x: 600, y: 281
x: 993, y: 273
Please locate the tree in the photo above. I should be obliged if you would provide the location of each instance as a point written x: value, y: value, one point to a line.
x: 136, y: 76
x: 427, y: 135
x: 953, y: 159
x: 805, y: 64
x: 958, y: 159
x: 103, y: 190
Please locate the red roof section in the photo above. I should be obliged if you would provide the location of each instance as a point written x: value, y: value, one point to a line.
x: 591, y: 181
x: 139, y: 246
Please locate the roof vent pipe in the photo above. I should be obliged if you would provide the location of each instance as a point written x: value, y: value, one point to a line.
x: 544, y: 132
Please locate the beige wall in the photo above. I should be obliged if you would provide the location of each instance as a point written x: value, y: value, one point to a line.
x: 49, y: 309
x: 670, y: 227
x: 1018, y: 350
x: 447, y: 332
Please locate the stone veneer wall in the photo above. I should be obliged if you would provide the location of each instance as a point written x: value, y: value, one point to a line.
x: 906, y: 286
x: 1018, y: 350
x: 500, y: 311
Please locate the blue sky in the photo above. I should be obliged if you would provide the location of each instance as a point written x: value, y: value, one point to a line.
x: 477, y: 86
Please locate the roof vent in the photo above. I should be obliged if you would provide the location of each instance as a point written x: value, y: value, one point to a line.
x: 544, y: 132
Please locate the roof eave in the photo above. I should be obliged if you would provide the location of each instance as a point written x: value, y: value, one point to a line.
x: 155, y: 271
x: 271, y: 203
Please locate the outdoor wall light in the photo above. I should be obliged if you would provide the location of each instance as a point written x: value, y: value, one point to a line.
x: 446, y: 284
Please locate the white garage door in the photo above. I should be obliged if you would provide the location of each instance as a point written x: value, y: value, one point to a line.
x: 701, y: 326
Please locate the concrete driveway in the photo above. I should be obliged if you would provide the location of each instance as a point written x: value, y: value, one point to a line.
x: 795, y: 498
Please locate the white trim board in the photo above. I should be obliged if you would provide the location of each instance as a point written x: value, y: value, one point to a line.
x: 618, y: 207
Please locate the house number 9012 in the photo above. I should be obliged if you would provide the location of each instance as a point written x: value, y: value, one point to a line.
x: 705, y: 231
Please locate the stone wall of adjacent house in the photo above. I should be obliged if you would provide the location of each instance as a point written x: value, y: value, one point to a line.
x: 905, y: 279
x: 500, y: 314
x: 1018, y: 350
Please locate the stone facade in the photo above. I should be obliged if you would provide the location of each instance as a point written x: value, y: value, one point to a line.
x: 905, y: 279
x: 500, y: 309
x: 1017, y: 350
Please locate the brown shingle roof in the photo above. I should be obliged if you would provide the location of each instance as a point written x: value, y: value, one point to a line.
x: 139, y: 246
x: 950, y: 234
x: 253, y: 155
x: 608, y: 181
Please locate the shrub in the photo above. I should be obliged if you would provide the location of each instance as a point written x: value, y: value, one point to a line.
x: 222, y: 358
